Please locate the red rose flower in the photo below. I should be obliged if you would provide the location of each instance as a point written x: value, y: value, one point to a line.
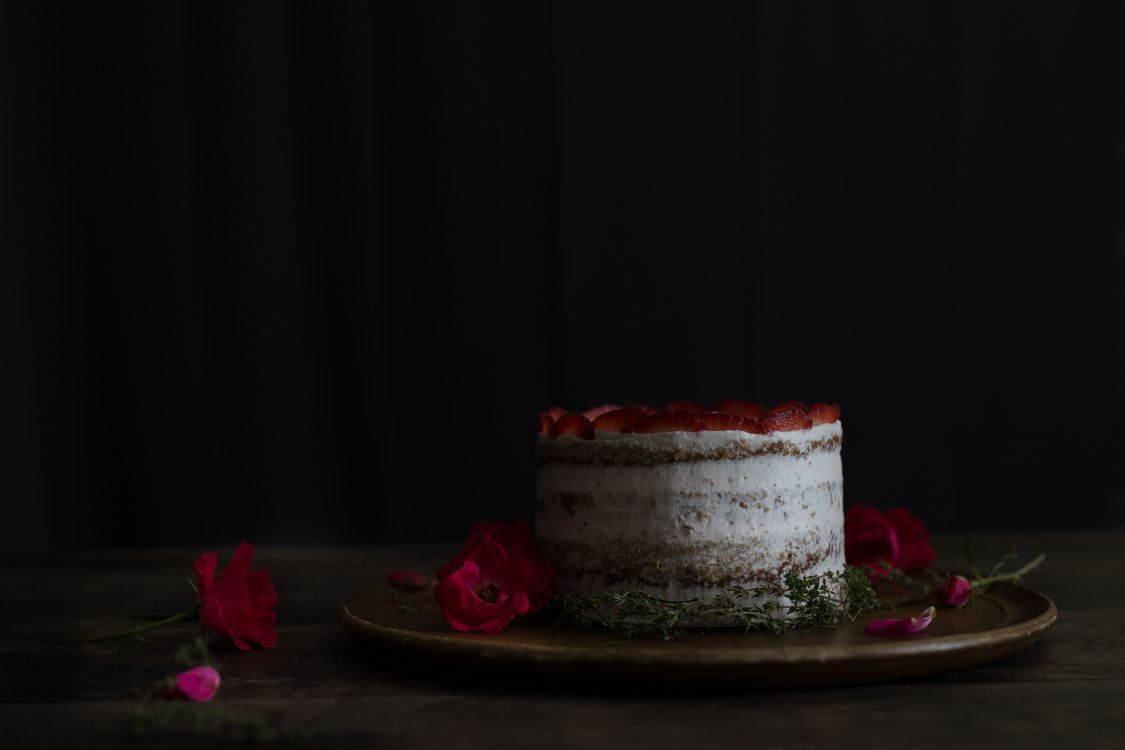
x: 894, y: 538
x: 499, y: 575
x: 955, y: 592
x: 237, y: 604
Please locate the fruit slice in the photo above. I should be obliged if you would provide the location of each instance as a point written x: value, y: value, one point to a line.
x: 557, y: 411
x: 668, y: 421
x: 824, y: 413
x: 575, y: 425
x: 720, y: 420
x: 545, y: 424
x: 792, y: 418
x: 786, y: 407
x: 597, y: 411
x: 743, y: 408
x: 642, y: 408
x: 688, y: 406
x: 617, y: 420
x: 756, y: 426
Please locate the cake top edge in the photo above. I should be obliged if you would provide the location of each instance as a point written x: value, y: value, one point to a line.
x: 732, y: 415
x: 703, y: 438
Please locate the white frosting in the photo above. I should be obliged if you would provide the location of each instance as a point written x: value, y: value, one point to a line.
x: 770, y: 504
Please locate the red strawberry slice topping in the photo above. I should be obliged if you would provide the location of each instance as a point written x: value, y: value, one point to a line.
x: 597, y: 411
x: 557, y: 411
x: 743, y: 408
x: 545, y: 424
x: 787, y: 406
x: 689, y: 406
x: 575, y: 425
x: 756, y: 426
x: 617, y: 420
x: 792, y: 418
x: 719, y: 420
x: 668, y: 421
x: 824, y: 413
x: 642, y: 408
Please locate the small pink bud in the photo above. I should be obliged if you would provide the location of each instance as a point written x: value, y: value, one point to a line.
x: 407, y: 580
x: 893, y: 628
x: 955, y: 592
x: 198, y: 684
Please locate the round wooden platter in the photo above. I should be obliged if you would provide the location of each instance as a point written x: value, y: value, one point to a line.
x: 1004, y: 620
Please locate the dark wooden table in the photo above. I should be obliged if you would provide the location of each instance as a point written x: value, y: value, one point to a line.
x: 1068, y: 691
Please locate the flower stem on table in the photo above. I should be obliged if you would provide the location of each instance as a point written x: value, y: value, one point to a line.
x: 136, y: 630
x: 995, y: 576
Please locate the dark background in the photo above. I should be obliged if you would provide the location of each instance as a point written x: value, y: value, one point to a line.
x: 309, y: 271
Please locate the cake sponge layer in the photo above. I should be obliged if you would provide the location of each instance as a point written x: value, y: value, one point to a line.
x: 686, y: 515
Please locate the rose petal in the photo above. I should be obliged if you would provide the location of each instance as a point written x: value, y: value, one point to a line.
x: 895, y: 627
x: 204, y: 568
x: 525, y: 569
x: 407, y: 580
x: 872, y: 541
x: 479, y: 543
x: 858, y: 514
x: 198, y: 684
x: 913, y: 540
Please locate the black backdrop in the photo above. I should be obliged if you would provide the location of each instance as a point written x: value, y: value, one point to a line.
x: 309, y: 271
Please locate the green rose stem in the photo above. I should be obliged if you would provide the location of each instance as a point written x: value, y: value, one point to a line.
x: 1015, y: 575
x: 136, y: 630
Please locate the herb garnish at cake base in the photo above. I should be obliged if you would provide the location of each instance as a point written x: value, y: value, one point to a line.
x: 499, y: 576
x: 814, y: 601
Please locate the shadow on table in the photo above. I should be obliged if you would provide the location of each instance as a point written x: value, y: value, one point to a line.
x: 503, y: 678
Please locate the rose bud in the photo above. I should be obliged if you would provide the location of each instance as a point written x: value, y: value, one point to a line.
x: 198, y: 684
x: 955, y: 592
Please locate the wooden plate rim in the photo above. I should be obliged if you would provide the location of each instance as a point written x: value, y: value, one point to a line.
x: 650, y: 652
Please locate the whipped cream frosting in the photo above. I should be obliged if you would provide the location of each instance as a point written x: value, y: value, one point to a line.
x: 691, y: 526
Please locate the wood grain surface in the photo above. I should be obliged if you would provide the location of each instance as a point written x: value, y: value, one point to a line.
x: 1068, y: 690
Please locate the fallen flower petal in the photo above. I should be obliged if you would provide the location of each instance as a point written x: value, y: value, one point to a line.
x: 407, y: 580
x: 895, y: 627
x: 955, y: 592
x: 198, y: 684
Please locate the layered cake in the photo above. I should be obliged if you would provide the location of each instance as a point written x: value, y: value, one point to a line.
x: 687, y: 502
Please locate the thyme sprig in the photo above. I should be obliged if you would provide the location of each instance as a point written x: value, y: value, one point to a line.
x: 813, y: 601
x: 171, y: 718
